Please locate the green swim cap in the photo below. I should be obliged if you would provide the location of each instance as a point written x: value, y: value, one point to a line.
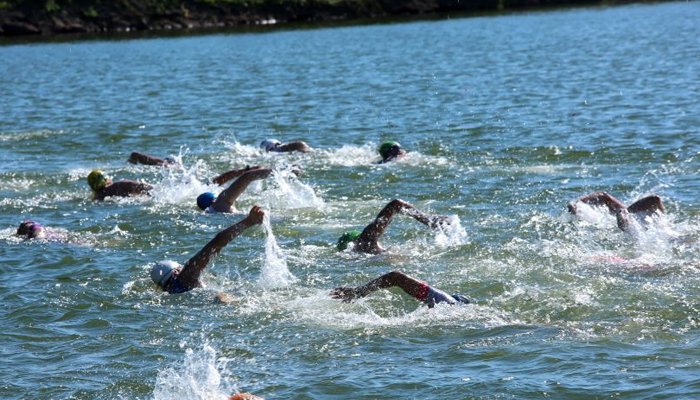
x: 97, y: 180
x: 347, y: 238
x: 385, y: 148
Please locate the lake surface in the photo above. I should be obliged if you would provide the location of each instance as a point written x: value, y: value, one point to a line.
x: 505, y: 119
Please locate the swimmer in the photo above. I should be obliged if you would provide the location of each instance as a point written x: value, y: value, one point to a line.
x: 104, y: 187
x: 224, y: 202
x: 367, y: 241
x: 31, y: 230
x: 244, y: 396
x: 390, y: 151
x: 413, y: 287
x: 274, y: 145
x: 646, y: 206
x: 173, y: 278
x: 140, y: 158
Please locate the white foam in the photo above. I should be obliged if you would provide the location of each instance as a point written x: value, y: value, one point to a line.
x: 451, y: 234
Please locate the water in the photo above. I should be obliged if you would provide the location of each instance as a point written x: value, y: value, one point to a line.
x: 505, y: 118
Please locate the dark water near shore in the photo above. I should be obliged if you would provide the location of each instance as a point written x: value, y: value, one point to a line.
x: 506, y: 119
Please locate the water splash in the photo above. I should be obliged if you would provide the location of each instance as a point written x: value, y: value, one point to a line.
x: 274, y: 272
x: 290, y: 192
x: 451, y: 234
x: 197, y: 378
x: 180, y: 185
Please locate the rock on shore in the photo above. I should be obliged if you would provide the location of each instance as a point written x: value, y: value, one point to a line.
x: 45, y: 17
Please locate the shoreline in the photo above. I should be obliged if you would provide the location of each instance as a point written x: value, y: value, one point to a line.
x: 50, y: 18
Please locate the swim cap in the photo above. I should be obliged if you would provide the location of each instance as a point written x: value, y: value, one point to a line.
x: 162, y: 271
x: 97, y: 180
x: 347, y: 238
x: 204, y: 200
x: 461, y: 298
x: 270, y: 144
x: 171, y: 160
x: 25, y: 227
x: 385, y: 148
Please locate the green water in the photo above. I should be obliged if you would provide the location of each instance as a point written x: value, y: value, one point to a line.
x: 505, y: 120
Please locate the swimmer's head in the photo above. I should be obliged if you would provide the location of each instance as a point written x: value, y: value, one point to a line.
x: 97, y: 180
x: 270, y: 145
x: 461, y: 299
x: 162, y: 271
x: 31, y: 229
x: 204, y: 200
x: 347, y: 238
x: 390, y: 149
x: 171, y: 160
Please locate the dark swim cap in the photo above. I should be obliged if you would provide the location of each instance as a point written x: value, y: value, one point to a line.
x: 460, y: 298
x: 385, y: 148
x: 347, y: 238
x: 204, y: 200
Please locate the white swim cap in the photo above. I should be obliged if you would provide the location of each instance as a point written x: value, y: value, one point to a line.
x: 270, y: 144
x: 162, y: 271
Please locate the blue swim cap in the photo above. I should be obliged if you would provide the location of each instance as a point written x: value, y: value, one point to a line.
x: 204, y: 200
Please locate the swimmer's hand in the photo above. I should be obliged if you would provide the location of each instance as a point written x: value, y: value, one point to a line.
x: 347, y: 294
x: 244, y: 396
x: 296, y: 170
x: 223, y: 298
x: 256, y: 215
x: 440, y: 221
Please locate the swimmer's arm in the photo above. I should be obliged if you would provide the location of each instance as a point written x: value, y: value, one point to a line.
x: 296, y: 146
x: 140, y: 158
x: 408, y: 284
x: 649, y: 204
x: 597, y: 199
x: 124, y: 188
x: 623, y: 220
x: 190, y: 272
x: 225, y: 200
x: 376, y: 229
x: 233, y: 174
x: 430, y: 220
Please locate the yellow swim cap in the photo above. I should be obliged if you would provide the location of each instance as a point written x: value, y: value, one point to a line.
x: 97, y: 180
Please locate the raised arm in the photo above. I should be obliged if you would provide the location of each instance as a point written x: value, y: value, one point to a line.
x: 408, y: 284
x: 189, y: 275
x: 233, y: 174
x: 224, y: 202
x: 598, y: 199
x: 376, y: 229
x: 140, y: 158
x: 649, y: 205
x: 296, y: 146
